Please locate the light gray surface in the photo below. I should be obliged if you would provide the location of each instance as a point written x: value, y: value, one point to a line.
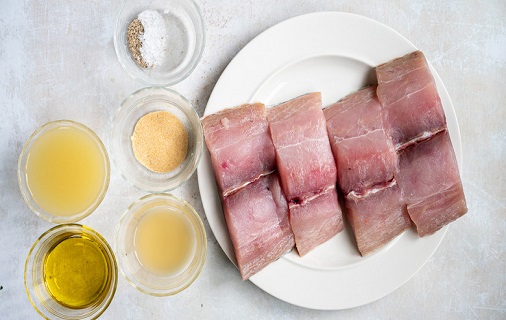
x: 58, y: 62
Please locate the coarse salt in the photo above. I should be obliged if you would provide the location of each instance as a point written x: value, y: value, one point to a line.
x: 154, y: 38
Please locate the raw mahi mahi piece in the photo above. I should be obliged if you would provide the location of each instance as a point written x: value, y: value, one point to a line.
x: 257, y: 221
x: 430, y: 182
x: 316, y: 221
x: 303, y: 155
x: 366, y: 165
x: 364, y: 154
x: 412, y: 107
x: 307, y: 169
x: 376, y: 217
x: 240, y: 146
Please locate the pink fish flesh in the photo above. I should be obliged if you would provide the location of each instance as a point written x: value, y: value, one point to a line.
x: 366, y: 166
x: 365, y: 156
x: 307, y: 170
x: 430, y: 183
x: 303, y: 155
x: 316, y: 221
x: 240, y: 146
x: 408, y: 93
x: 377, y: 217
x: 257, y: 221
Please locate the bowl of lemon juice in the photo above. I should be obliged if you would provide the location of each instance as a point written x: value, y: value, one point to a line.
x: 63, y: 171
x: 161, y: 244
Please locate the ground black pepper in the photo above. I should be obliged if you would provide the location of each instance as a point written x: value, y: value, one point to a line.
x: 135, y: 29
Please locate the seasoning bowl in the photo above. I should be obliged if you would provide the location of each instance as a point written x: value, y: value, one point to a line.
x: 134, y: 107
x: 37, y: 289
x: 140, y: 276
x: 185, y: 40
x: 38, y: 206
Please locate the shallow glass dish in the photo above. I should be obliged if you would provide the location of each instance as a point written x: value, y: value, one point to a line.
x: 132, y: 109
x: 139, y: 276
x: 39, y: 295
x: 185, y: 38
x: 23, y: 179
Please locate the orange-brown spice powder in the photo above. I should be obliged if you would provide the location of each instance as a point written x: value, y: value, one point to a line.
x: 160, y: 141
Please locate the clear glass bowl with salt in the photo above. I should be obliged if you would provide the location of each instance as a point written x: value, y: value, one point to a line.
x: 159, y: 43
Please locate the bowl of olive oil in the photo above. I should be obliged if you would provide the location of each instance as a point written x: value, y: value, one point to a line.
x: 70, y: 273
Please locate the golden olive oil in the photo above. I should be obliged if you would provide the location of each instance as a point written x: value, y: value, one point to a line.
x: 76, y: 272
x: 65, y: 171
x: 164, y: 241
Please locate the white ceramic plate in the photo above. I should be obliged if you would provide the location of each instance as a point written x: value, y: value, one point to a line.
x: 334, y: 53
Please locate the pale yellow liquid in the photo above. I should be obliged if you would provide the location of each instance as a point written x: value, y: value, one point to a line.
x: 65, y: 171
x: 164, y: 241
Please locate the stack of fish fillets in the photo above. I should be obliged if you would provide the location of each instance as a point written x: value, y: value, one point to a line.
x: 414, y: 118
x: 386, y: 146
x: 367, y: 166
x: 244, y: 165
x: 394, y: 156
x: 307, y: 170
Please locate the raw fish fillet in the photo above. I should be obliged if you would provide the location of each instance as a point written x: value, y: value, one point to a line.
x: 316, y: 221
x: 412, y: 107
x: 365, y: 156
x: 307, y: 170
x: 430, y: 183
x: 376, y: 217
x: 257, y: 221
x: 240, y: 146
x: 366, y: 166
x: 303, y: 155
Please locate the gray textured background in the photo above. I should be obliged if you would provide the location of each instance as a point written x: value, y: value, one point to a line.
x: 57, y: 61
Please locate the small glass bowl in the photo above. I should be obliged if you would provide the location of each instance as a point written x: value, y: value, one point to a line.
x: 37, y: 291
x: 186, y: 32
x: 132, y: 109
x: 22, y: 178
x: 138, y: 276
